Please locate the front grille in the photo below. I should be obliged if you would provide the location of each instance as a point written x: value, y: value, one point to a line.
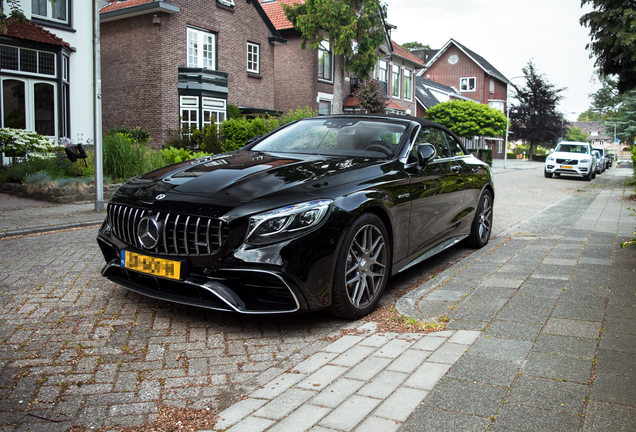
x: 568, y: 161
x: 180, y: 235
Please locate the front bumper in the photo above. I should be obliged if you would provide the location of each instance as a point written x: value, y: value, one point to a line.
x: 568, y: 169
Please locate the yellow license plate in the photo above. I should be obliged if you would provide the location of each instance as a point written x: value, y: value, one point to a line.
x: 154, y: 266
x: 567, y: 167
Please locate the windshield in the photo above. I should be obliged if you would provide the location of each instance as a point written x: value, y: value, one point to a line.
x: 573, y: 148
x: 346, y: 136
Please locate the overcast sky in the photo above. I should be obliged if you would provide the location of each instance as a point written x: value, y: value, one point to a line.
x: 508, y: 33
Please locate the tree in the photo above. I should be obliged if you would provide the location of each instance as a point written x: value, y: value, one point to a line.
x: 536, y: 119
x: 591, y: 115
x: 607, y: 100
x: 370, y: 97
x: 14, y: 12
x: 575, y: 134
x: 354, y: 29
x: 626, y: 125
x: 612, y: 26
x: 468, y: 119
x: 415, y: 45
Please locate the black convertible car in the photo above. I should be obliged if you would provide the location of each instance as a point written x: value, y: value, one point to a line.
x: 317, y: 214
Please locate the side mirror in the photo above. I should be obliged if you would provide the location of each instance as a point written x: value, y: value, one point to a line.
x: 551, y: 150
x: 425, y: 153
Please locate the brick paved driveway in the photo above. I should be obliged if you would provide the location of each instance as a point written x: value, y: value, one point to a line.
x: 78, y: 349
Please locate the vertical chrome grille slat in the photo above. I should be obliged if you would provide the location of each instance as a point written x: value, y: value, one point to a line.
x: 183, y: 235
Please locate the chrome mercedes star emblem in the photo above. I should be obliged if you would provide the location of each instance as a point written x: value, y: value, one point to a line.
x: 160, y: 196
x: 149, y: 232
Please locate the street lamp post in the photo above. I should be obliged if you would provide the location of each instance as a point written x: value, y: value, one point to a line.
x: 508, y: 117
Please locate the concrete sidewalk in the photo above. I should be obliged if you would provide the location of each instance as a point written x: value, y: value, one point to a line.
x: 20, y: 216
x: 542, y: 337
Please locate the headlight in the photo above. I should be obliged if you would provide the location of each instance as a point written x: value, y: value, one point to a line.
x: 286, y: 222
x: 586, y: 160
x: 550, y: 158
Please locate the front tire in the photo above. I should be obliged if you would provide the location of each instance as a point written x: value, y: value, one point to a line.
x: 547, y: 174
x: 362, y: 268
x: 481, y: 227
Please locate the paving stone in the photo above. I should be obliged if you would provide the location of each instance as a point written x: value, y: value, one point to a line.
x: 337, y: 392
x: 448, y: 353
x: 526, y: 419
x: 616, y: 363
x: 548, y: 394
x: 466, y: 397
x: 570, y: 369
x: 315, y: 362
x: 430, y: 419
x: 578, y: 313
x: 603, y: 417
x: 409, y: 360
x: 353, y: 355
x: 496, y: 292
x: 614, y: 389
x: 484, y: 370
x: 513, y: 330
x: 383, y: 384
x: 237, y: 412
x: 376, y: 424
x: 301, y: 420
x: 278, y: 386
x: 427, y: 376
x: 612, y: 341
x: 400, y: 404
x: 620, y: 325
x: 501, y: 349
x: 567, y: 327
x: 350, y: 413
x: 285, y: 403
x: 368, y: 368
x: 322, y: 377
x: 522, y: 314
x: 566, y: 346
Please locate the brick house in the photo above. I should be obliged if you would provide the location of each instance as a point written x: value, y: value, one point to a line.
x: 46, y: 69
x: 180, y: 63
x: 304, y: 78
x: 470, y: 75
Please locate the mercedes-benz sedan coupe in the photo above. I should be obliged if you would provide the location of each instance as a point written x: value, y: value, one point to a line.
x: 317, y: 214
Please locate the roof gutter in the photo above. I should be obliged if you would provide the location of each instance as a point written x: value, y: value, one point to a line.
x: 152, y: 7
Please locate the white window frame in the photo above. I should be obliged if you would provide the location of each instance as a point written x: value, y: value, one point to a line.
x: 253, y: 58
x: 395, y: 81
x: 29, y: 103
x: 408, y: 90
x: 21, y: 51
x: 325, y: 51
x: 383, y: 75
x: 212, y: 108
x: 198, y: 43
x: 465, y: 84
x: 191, y: 105
x: 325, y: 98
x: 49, y: 10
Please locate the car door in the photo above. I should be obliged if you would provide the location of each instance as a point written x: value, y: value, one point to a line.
x: 436, y: 193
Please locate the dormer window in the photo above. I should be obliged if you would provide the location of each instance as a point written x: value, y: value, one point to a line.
x: 54, y: 11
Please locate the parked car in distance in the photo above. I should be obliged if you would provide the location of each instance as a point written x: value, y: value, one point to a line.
x: 604, y: 156
x: 600, y: 162
x: 571, y: 158
x: 610, y: 156
x: 317, y: 214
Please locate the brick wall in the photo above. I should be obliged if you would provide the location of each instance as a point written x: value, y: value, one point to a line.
x: 140, y: 61
x: 296, y: 72
x: 445, y: 73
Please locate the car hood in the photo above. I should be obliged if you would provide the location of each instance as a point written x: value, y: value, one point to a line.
x: 245, y: 176
x: 570, y: 155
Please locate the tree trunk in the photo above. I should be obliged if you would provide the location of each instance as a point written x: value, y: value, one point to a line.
x: 338, y: 84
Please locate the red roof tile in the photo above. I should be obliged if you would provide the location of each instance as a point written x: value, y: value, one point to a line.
x: 405, y: 54
x: 276, y: 14
x: 393, y: 105
x: 28, y: 30
x: 123, y: 4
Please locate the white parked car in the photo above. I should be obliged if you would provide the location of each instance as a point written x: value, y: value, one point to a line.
x: 604, y: 156
x: 571, y: 158
x: 600, y: 162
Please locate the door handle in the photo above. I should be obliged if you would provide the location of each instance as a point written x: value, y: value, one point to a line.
x: 455, y: 169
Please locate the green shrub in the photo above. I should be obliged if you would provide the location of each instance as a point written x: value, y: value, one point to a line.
x: 175, y: 155
x: 539, y: 157
x: 125, y: 158
x: 137, y: 134
x: 207, y: 140
x: 236, y: 131
x: 233, y: 111
x: 512, y: 155
x: 296, y: 115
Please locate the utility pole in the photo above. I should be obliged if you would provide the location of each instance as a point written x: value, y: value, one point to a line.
x: 97, y: 85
